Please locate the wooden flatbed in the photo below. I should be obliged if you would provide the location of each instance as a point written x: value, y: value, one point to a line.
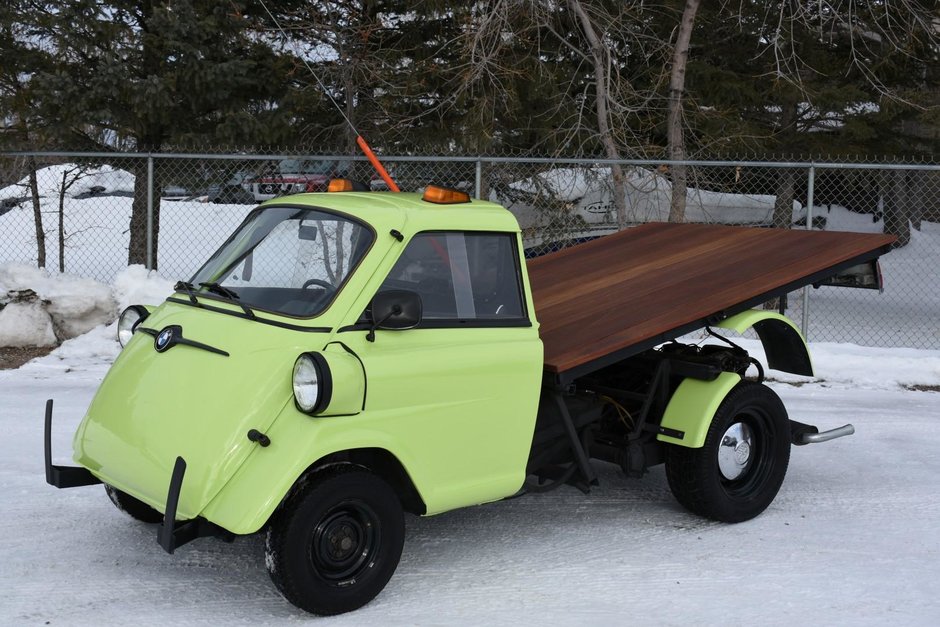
x: 618, y: 295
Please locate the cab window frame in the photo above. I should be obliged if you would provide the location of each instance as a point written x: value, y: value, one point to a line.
x: 523, y: 320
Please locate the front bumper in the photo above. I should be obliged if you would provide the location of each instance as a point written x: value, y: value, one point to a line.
x: 171, y: 533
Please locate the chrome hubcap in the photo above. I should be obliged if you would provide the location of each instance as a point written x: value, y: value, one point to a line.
x: 734, y: 452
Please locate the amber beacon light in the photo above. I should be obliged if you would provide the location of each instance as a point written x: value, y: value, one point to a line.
x: 444, y: 196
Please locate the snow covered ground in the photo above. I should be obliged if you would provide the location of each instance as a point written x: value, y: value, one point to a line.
x: 853, y: 538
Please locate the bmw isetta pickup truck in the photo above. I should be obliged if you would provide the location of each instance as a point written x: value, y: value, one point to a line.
x: 347, y: 357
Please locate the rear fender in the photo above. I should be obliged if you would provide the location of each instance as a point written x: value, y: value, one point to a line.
x: 783, y: 343
x: 691, y: 408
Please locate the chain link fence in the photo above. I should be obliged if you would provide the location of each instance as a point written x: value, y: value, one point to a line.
x: 89, y: 213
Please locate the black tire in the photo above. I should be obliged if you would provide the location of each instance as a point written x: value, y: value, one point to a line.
x: 334, y: 543
x: 134, y: 508
x: 709, y: 487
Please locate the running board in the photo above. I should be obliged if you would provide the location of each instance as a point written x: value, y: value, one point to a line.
x: 801, y: 434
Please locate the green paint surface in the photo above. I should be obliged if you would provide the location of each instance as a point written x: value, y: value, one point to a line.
x: 456, y: 406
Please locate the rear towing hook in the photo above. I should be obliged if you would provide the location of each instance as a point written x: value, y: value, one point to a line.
x: 801, y: 434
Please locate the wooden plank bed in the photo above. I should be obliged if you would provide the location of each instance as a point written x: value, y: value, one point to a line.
x: 618, y: 295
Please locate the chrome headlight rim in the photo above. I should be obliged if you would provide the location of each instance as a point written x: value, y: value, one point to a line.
x: 324, y: 383
x: 128, y: 322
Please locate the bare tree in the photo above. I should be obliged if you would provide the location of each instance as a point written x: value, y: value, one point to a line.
x: 37, y: 214
x: 70, y: 176
x: 674, y: 117
x: 600, y: 56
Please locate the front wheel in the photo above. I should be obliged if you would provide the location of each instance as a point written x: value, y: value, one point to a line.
x: 737, y: 473
x: 135, y: 508
x: 335, y: 543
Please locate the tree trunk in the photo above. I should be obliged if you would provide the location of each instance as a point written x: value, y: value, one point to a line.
x: 783, y: 202
x: 37, y: 215
x: 786, y: 179
x: 897, y: 208
x: 62, y: 189
x: 918, y: 197
x: 485, y: 171
x: 150, y: 137
x: 674, y: 117
x: 349, y: 84
x: 137, y: 248
x: 601, y: 97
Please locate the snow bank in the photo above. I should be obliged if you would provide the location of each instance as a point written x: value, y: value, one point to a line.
x: 79, y: 179
x: 138, y: 286
x: 41, y: 310
x: 38, y: 308
x: 26, y: 324
x: 853, y: 366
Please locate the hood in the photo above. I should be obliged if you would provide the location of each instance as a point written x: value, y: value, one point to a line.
x: 188, y: 401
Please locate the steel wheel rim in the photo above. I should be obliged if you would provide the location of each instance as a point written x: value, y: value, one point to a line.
x: 345, y: 543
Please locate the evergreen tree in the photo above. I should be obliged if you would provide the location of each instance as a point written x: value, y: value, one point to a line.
x: 155, y: 73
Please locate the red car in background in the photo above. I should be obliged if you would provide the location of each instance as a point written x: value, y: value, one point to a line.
x: 295, y: 176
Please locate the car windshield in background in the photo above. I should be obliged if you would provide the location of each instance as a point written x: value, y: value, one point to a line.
x: 286, y: 260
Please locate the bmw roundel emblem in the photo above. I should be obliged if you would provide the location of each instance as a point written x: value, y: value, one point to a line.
x: 164, y: 339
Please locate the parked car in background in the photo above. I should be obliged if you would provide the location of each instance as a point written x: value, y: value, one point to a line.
x: 230, y: 194
x: 175, y: 193
x: 295, y: 176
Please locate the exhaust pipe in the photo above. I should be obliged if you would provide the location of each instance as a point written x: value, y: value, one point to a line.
x: 801, y: 434
x: 825, y: 436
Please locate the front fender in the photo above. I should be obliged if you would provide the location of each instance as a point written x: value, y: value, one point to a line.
x: 297, y: 441
x: 692, y: 407
x: 783, y: 343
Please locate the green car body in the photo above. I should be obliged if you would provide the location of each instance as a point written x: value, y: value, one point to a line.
x: 346, y: 357
x: 454, y: 406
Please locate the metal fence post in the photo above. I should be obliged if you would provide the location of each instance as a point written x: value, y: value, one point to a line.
x: 810, y: 188
x: 150, y: 212
x: 477, y: 187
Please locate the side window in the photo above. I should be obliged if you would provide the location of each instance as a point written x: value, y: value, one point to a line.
x: 461, y: 276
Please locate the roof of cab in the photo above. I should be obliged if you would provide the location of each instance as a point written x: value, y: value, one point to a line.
x: 409, y: 210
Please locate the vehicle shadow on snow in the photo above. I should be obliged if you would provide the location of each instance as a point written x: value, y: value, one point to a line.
x: 535, y: 532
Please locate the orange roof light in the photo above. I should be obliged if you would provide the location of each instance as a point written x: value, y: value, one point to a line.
x: 444, y: 196
x: 340, y: 185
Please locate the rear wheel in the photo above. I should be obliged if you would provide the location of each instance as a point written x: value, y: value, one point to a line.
x: 737, y: 473
x: 335, y: 543
x: 134, y: 508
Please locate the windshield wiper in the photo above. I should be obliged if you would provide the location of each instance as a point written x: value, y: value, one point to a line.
x: 221, y: 290
x: 183, y: 286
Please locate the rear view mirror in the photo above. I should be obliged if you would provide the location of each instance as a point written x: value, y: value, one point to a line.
x: 307, y: 233
x: 395, y: 310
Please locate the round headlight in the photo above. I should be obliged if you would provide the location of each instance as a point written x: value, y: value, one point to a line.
x: 128, y: 321
x: 311, y: 383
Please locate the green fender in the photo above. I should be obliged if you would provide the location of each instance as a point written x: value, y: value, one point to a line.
x: 692, y: 407
x: 690, y: 410
x: 784, y: 345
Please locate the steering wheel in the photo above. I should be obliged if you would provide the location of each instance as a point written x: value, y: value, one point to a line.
x: 319, y: 283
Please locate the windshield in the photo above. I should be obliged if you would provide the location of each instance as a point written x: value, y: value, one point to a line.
x: 286, y: 260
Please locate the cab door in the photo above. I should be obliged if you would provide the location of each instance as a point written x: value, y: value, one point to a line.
x: 456, y: 397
